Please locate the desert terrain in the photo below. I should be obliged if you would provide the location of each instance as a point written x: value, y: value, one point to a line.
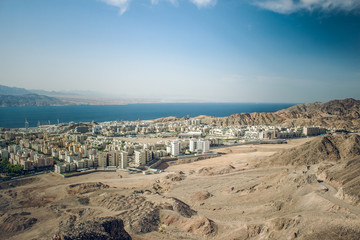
x: 305, y: 189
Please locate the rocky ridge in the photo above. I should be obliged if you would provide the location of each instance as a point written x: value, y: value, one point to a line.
x: 341, y: 114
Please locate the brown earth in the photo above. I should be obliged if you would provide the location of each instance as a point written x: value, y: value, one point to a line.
x: 237, y: 195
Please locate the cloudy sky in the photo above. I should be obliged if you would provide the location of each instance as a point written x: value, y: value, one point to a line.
x: 184, y: 50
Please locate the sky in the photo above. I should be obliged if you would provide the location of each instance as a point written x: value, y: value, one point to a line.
x: 293, y: 51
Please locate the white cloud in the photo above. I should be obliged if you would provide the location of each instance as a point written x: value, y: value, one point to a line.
x: 204, y: 3
x: 123, y: 5
x: 290, y: 6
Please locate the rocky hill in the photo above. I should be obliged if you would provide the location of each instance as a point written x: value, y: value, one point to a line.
x: 337, y: 158
x: 29, y: 100
x: 243, y: 119
x: 328, y: 148
x: 341, y: 114
x: 167, y: 119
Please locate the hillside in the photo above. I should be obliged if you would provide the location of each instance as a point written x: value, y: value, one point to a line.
x: 329, y: 148
x: 346, y: 177
x: 337, y: 158
x: 341, y: 114
x: 243, y: 119
x: 29, y: 100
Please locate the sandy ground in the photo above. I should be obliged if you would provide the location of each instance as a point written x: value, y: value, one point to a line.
x: 226, y: 198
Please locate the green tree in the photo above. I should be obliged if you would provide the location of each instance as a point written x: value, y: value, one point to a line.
x: 3, y: 165
x: 15, y: 169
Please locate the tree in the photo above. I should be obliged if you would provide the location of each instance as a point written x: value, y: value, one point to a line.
x: 3, y: 165
x: 15, y: 169
x: 7, y: 167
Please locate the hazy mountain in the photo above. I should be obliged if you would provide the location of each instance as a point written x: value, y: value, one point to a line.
x: 60, y: 97
x: 52, y: 93
x: 5, y: 90
x: 29, y: 100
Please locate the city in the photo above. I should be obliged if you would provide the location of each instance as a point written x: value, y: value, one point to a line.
x: 84, y: 147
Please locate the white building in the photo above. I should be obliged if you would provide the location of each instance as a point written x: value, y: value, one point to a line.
x: 123, y: 159
x: 205, y: 146
x: 168, y: 149
x: 97, y: 129
x: 140, y: 158
x: 199, y: 145
x: 60, y: 168
x: 175, y: 148
x: 192, y: 145
x: 79, y: 164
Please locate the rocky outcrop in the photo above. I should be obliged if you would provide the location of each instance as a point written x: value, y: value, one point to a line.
x: 82, y: 188
x: 200, y: 196
x: 218, y: 170
x: 13, y: 223
x: 107, y: 228
x: 143, y: 215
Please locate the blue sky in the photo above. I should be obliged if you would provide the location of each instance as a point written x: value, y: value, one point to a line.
x: 184, y: 50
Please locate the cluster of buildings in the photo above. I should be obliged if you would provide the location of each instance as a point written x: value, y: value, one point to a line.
x: 77, y: 147
x: 27, y: 158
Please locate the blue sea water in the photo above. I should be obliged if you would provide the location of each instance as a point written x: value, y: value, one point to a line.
x: 14, y: 117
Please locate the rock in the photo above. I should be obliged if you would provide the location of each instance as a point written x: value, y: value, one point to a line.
x: 12, y: 223
x: 199, y: 226
x: 107, y: 228
x: 199, y: 196
x: 82, y: 188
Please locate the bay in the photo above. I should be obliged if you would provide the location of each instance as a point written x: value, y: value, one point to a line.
x: 14, y: 117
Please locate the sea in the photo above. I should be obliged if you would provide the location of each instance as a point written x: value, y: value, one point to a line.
x: 14, y: 117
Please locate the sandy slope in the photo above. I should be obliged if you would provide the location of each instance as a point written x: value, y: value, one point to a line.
x: 219, y: 198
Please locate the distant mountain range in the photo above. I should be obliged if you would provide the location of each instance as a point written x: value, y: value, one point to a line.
x: 5, y: 90
x: 21, y: 97
x: 14, y: 97
x: 29, y: 100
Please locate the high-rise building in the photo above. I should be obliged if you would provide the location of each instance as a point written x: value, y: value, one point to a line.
x: 123, y: 159
x: 199, y: 145
x: 101, y: 159
x: 193, y: 145
x: 113, y: 158
x: 175, y: 148
x: 140, y: 158
x: 206, y: 146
